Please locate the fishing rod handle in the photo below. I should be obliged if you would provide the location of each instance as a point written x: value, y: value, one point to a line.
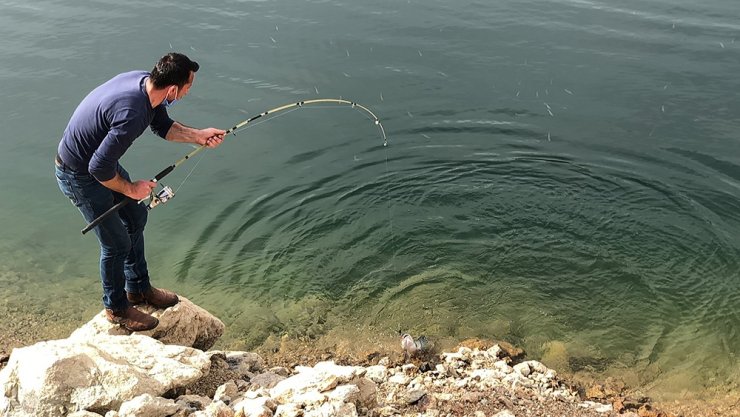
x: 127, y: 200
x: 163, y: 173
x: 105, y: 215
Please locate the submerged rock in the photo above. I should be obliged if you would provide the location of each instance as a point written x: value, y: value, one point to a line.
x: 148, y: 406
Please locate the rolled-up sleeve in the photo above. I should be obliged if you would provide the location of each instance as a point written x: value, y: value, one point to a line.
x: 161, y: 123
x: 125, y: 127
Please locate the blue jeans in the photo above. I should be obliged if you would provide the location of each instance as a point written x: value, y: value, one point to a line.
x: 122, y: 263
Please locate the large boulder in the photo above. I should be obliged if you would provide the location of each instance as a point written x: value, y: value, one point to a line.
x: 95, y: 373
x: 184, y: 324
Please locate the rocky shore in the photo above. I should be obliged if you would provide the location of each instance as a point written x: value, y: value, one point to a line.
x: 102, y: 370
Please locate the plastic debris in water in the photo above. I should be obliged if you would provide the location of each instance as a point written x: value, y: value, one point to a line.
x: 412, y: 346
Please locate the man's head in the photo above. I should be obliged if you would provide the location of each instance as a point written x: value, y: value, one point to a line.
x: 175, y: 71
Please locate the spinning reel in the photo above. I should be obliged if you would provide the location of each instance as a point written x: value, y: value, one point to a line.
x: 161, y: 197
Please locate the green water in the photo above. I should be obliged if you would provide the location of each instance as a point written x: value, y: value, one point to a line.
x: 558, y: 173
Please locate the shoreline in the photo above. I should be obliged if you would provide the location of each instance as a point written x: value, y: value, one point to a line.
x: 289, y: 352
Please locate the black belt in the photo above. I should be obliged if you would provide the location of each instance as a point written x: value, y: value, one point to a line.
x: 64, y: 167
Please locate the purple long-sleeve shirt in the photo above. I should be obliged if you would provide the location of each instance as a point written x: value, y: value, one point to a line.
x: 107, y: 122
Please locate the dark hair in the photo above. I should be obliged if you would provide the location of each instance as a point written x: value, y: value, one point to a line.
x: 173, y: 69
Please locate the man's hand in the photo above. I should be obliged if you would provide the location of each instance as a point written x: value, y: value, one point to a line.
x: 140, y: 190
x: 210, y: 137
x: 137, y: 190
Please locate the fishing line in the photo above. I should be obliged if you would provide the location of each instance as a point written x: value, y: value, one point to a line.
x: 166, y: 193
x: 189, y: 173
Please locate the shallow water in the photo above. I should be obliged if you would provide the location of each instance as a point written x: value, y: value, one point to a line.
x: 560, y: 174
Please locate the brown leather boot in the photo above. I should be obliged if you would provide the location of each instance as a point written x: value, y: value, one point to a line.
x: 132, y: 319
x: 155, y: 297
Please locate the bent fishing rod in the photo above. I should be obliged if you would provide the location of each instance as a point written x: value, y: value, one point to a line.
x: 166, y: 193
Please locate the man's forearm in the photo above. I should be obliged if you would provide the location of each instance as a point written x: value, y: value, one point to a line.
x: 118, y: 184
x: 180, y: 133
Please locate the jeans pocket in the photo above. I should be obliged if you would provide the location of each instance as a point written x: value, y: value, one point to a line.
x: 66, y: 187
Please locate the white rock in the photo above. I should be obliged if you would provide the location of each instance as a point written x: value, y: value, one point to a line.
x: 487, y: 375
x: 322, y: 377
x: 504, y: 413
x: 515, y: 378
x: 443, y: 396
x: 184, y: 324
x: 598, y: 407
x: 523, y: 368
x: 466, y: 352
x: 258, y: 407
x: 330, y: 382
x: 399, y: 379
x: 257, y: 412
x: 148, y: 406
x: 100, y: 373
x: 503, y: 367
x: 309, y: 398
x: 462, y: 383
x: 84, y: 413
x: 111, y: 413
x: 536, y: 366
x: 301, y: 368
x: 333, y: 410
x: 226, y: 391
x: 215, y: 409
x: 288, y: 410
x: 344, y: 373
x: 376, y: 373
x: 494, y: 351
x: 454, y: 357
x: 344, y: 394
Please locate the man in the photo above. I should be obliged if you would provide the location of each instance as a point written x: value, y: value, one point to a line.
x: 99, y: 132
